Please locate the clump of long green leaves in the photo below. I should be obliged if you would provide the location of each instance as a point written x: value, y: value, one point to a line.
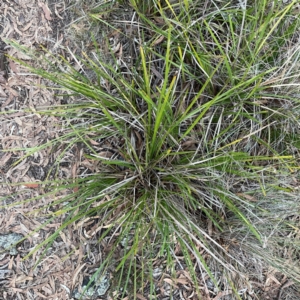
x: 193, y: 126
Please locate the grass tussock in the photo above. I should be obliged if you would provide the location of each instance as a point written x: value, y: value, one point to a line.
x: 195, y: 139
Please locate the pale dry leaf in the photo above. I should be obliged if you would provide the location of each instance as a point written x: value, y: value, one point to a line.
x: 77, y: 271
x: 117, y: 48
x: 271, y: 277
x: 16, y: 29
x: 141, y: 297
x: 41, y: 295
x: 248, y: 197
x: 5, y: 158
x: 13, y: 66
x: 57, y: 13
x: 170, y: 282
x: 22, y: 56
x: 94, y: 142
x: 120, y: 54
x: 158, y: 40
x: 182, y: 281
x: 26, y: 27
x: 12, y: 91
x: 46, y: 11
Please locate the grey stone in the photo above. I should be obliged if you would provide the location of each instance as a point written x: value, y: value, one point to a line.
x: 8, y: 243
x: 95, y: 289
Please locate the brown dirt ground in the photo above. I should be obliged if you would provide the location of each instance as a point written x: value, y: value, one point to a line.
x: 75, y: 253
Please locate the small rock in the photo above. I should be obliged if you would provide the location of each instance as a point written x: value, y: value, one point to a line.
x: 95, y: 289
x: 8, y: 243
